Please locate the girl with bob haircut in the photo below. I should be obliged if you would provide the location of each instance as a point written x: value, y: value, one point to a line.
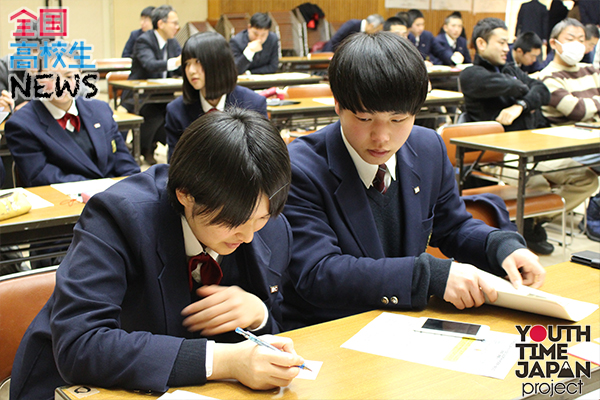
x: 133, y: 308
x: 209, y: 84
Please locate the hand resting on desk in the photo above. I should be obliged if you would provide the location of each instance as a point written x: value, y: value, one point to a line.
x: 222, y: 309
x: 255, y: 366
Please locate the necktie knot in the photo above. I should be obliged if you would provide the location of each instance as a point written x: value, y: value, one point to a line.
x: 210, y: 272
x: 379, y: 180
x: 212, y: 110
x: 74, y: 119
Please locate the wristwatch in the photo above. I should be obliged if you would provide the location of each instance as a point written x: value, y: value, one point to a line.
x: 522, y: 103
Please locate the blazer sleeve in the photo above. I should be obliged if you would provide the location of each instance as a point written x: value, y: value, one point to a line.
x: 144, y: 52
x: 442, y: 51
x: 479, y: 83
x: 271, y: 56
x: 128, y: 49
x: 237, y: 48
x: 538, y: 94
x: 174, y: 125
x: 33, y: 164
x: 89, y: 342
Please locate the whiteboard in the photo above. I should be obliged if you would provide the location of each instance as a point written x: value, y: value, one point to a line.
x: 452, y: 5
x: 418, y: 4
x: 489, y: 6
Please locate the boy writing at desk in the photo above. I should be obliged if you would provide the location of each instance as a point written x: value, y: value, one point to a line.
x: 127, y: 312
x: 371, y: 191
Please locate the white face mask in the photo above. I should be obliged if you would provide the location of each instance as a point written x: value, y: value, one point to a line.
x: 572, y: 52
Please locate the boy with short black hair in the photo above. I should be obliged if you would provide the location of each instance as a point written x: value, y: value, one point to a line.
x: 525, y: 51
x: 145, y: 25
x: 396, y: 25
x: 256, y: 49
x: 371, y: 191
x: 421, y: 38
x: 450, y: 47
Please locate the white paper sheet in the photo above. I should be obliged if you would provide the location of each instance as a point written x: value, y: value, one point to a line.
x: 328, y: 101
x: 536, y: 301
x: 184, y: 395
x: 315, y: 367
x: 35, y: 200
x: 91, y: 187
x: 393, y: 335
x: 569, y: 132
x: 589, y: 351
x: 274, y: 77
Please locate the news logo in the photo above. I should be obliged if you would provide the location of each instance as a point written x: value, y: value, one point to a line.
x: 537, y: 360
x: 40, y: 56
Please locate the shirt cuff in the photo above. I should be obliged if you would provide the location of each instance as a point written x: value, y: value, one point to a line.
x: 171, y: 64
x: 210, y: 351
x: 249, y: 54
x: 265, y: 320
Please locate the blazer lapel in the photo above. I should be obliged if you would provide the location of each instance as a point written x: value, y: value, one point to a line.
x: 97, y: 133
x: 410, y: 191
x: 351, y: 197
x: 173, y: 278
x: 62, y: 139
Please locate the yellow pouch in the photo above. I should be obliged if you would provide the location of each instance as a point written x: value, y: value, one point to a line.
x: 13, y: 204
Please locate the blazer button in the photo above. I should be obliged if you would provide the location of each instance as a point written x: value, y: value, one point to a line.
x: 384, y: 300
x: 394, y: 300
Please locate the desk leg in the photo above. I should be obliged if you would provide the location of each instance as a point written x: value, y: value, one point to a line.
x: 460, y: 154
x: 136, y: 144
x: 136, y: 102
x: 521, y: 194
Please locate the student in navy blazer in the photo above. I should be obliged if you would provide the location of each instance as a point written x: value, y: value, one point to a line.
x: 46, y: 153
x: 127, y: 313
x: 450, y: 47
x: 156, y: 54
x: 421, y: 38
x: 209, y: 82
x: 146, y: 25
x: 371, y: 24
x: 358, y: 246
x: 256, y: 49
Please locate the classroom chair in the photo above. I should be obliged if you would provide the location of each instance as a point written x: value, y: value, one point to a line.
x: 537, y: 203
x: 22, y: 296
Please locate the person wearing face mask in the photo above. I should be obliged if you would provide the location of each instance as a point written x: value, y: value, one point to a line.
x: 256, y: 49
x: 575, y: 89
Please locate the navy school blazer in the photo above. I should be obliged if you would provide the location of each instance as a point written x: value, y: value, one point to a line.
x: 265, y: 61
x: 444, y: 52
x: 45, y: 154
x: 348, y: 28
x: 180, y: 115
x: 338, y: 265
x: 114, y: 317
x: 425, y: 46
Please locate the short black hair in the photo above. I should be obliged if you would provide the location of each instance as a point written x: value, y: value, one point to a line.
x: 214, y: 53
x: 591, y: 31
x: 559, y: 27
x: 227, y: 161
x: 454, y: 15
x: 484, y: 27
x: 380, y: 72
x: 260, y: 21
x: 393, y: 21
x: 147, y: 12
x: 413, y: 15
x: 527, y: 41
x: 161, y: 13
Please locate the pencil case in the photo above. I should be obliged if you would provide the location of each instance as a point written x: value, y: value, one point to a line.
x: 13, y: 204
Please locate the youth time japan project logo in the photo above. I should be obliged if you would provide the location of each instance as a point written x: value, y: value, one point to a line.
x: 538, y: 361
x: 38, y: 53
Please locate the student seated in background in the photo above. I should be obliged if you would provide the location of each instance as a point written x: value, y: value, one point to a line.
x: 373, y: 23
x: 525, y: 51
x: 62, y: 139
x: 156, y: 54
x: 449, y: 47
x: 396, y: 25
x: 592, y: 35
x: 421, y: 38
x: 146, y: 25
x: 209, y: 83
x: 256, y: 49
x: 134, y: 308
x: 371, y: 191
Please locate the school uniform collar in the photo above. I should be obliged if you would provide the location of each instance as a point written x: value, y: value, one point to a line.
x: 206, y: 107
x: 161, y: 41
x: 192, y: 246
x: 58, y: 113
x: 363, y: 25
x: 365, y: 170
x: 450, y: 41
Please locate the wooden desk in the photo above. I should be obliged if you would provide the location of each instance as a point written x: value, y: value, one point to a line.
x: 348, y: 374
x: 529, y: 147
x: 292, y: 63
x: 256, y: 82
x: 282, y: 116
x: 106, y: 65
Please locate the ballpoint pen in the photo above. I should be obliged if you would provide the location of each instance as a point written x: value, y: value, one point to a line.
x: 260, y: 342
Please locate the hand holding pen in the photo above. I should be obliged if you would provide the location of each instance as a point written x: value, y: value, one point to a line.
x: 261, y: 342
